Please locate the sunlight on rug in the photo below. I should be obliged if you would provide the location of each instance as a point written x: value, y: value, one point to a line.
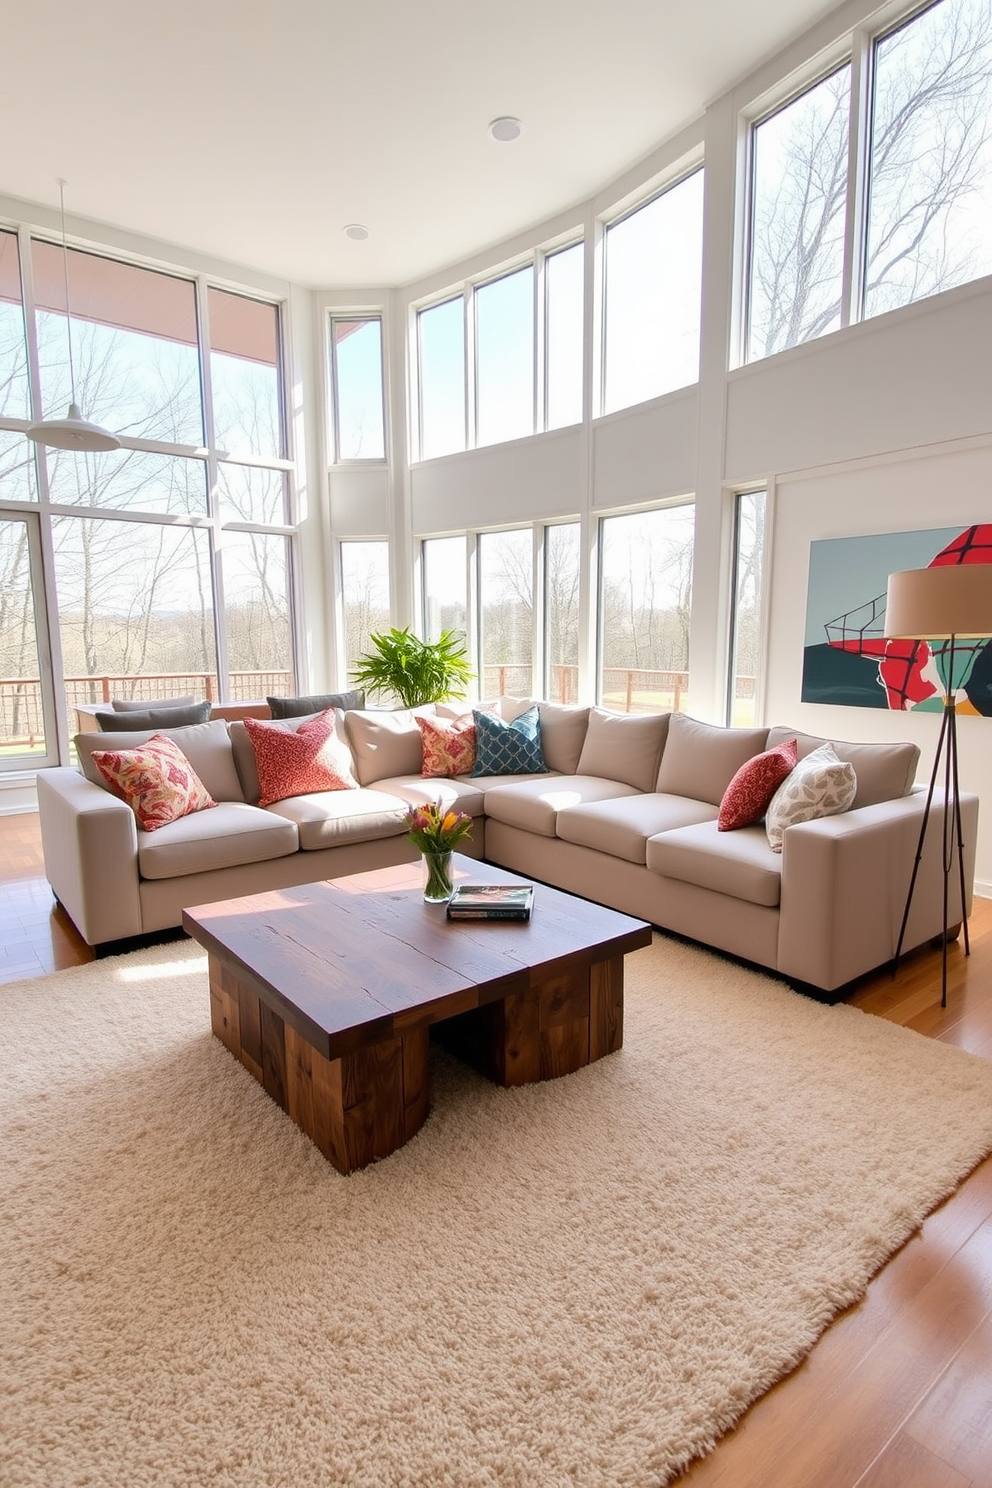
x: 579, y: 1284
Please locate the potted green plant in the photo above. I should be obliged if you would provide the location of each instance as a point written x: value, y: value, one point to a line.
x: 413, y: 671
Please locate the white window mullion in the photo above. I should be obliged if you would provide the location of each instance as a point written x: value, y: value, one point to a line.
x: 471, y: 370
x: 540, y: 343
x: 856, y: 217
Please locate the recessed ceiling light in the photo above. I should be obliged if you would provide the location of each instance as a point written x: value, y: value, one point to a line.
x: 356, y: 231
x: 505, y: 129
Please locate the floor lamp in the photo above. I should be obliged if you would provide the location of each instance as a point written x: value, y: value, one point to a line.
x: 951, y: 604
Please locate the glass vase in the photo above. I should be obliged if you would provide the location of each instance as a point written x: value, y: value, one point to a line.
x: 438, y: 885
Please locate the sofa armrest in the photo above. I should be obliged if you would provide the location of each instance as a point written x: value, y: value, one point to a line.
x: 90, y: 841
x: 844, y: 886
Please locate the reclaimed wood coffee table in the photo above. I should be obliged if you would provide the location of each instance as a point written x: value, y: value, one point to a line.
x: 326, y: 994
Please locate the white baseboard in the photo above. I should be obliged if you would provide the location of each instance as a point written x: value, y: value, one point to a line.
x: 17, y: 794
x: 983, y: 889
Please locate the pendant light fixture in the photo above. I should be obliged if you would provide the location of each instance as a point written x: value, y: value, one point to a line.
x: 72, y: 432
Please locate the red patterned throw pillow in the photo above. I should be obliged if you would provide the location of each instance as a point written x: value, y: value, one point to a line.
x: 748, y: 795
x: 298, y: 762
x: 155, y: 779
x: 449, y: 745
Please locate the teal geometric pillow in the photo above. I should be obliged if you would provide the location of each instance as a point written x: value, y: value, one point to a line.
x: 503, y: 748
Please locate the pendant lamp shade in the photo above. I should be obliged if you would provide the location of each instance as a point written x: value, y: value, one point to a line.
x: 72, y: 432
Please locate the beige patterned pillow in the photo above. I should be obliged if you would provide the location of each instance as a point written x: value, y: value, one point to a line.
x: 820, y: 785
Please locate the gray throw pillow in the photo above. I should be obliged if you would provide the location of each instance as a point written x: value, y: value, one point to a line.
x: 150, y: 705
x: 296, y: 707
x: 153, y: 718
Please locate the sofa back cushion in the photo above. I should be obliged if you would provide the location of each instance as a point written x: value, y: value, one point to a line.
x: 386, y: 743
x: 884, y: 771
x: 701, y: 759
x: 143, y: 719
x: 207, y: 746
x: 563, y: 729
x: 299, y: 707
x: 624, y: 747
x: 139, y: 705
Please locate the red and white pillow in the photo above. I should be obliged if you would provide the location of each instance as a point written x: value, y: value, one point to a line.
x: 298, y: 762
x: 749, y: 794
x: 449, y: 745
x: 155, y: 779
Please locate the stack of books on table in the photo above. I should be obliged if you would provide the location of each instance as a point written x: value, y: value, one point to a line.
x: 491, y: 902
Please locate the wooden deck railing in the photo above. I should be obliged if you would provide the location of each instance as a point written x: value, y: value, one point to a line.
x: 21, y: 719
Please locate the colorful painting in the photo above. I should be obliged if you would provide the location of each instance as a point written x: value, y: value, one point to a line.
x: 847, y: 658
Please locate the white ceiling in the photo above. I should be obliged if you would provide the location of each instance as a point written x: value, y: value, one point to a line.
x: 256, y: 130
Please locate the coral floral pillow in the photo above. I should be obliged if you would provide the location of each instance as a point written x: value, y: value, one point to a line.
x: 297, y: 762
x: 155, y: 779
x: 749, y: 794
x: 449, y: 745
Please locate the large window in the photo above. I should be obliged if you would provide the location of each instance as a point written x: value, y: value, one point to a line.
x: 504, y: 348
x: 745, y: 627
x: 930, y: 199
x: 356, y: 376
x: 652, y: 293
x: 195, y: 505
x: 506, y: 605
x: 364, y: 594
x: 645, y: 597
x: 798, y: 204
x: 513, y: 390
x: 564, y: 295
x: 924, y: 217
x: 441, y: 360
x: 561, y: 610
x: 444, y: 579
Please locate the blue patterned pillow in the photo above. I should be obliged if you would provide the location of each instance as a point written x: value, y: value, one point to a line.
x: 503, y: 748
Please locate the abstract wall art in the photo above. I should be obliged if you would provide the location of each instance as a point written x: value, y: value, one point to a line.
x: 847, y: 659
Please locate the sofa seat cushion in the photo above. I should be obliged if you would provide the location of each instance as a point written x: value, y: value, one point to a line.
x: 329, y: 818
x: 740, y: 864
x: 231, y: 834
x: 622, y: 827
x: 459, y: 794
x: 533, y: 805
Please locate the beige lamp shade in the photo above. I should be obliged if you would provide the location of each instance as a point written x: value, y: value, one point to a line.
x: 937, y: 603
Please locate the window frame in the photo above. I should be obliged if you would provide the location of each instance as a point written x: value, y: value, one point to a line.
x: 334, y: 385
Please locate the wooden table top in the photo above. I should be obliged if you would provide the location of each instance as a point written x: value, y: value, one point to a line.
x: 348, y: 961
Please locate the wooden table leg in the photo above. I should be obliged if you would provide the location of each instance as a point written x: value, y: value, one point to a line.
x: 554, y: 1027
x: 355, y: 1109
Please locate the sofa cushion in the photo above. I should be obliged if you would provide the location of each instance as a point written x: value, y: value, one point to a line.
x: 624, y: 747
x: 563, y: 730
x: 300, y: 761
x: 739, y: 864
x: 622, y: 827
x: 503, y: 748
x: 130, y: 720
x: 141, y: 705
x: 885, y: 771
x: 299, y: 707
x: 334, y: 817
x: 227, y: 837
x: 820, y: 785
x: 449, y: 745
x: 453, y: 795
x: 385, y: 742
x: 534, y: 804
x: 701, y: 759
x: 156, y: 780
x: 747, y: 797
x: 207, y: 746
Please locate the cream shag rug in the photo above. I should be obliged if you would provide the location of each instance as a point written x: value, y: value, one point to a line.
x: 579, y: 1284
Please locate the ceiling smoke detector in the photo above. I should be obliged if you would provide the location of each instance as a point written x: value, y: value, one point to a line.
x: 356, y: 232
x: 505, y: 129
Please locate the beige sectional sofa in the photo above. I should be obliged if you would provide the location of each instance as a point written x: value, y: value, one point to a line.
x: 626, y: 815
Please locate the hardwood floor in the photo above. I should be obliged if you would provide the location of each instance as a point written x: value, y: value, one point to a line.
x: 898, y: 1391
